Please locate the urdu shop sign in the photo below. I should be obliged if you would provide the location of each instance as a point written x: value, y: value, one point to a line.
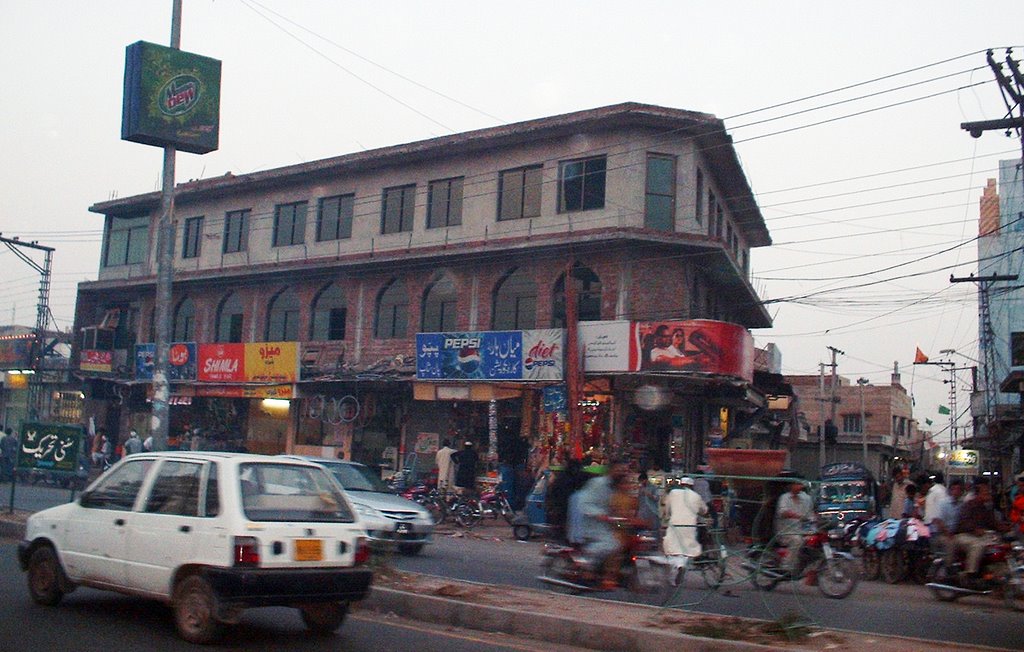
x: 50, y: 446
x: 171, y: 98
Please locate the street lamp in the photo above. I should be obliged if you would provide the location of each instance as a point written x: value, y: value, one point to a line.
x: 863, y: 425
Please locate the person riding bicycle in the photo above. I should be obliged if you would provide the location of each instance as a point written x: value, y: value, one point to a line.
x: 592, y: 522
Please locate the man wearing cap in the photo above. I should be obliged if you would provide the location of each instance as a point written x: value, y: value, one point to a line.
x: 465, y: 472
x: 683, y: 506
x: 133, y: 444
x: 794, y: 509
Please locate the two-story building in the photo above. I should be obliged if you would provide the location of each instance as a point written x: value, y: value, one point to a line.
x: 299, y: 291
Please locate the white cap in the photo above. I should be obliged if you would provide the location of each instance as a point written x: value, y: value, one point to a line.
x: 133, y: 434
x: 686, y: 480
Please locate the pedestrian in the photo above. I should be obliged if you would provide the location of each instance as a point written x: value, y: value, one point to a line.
x: 649, y: 503
x: 466, y: 461
x: 97, y: 447
x: 793, y: 511
x: 445, y: 467
x: 133, y: 444
x: 9, y: 452
x: 910, y: 509
x: 934, y: 500
x: 899, y: 492
x: 683, y: 506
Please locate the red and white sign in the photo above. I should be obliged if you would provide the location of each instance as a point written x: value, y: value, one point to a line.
x: 221, y: 363
x: 97, y: 361
x: 543, y: 353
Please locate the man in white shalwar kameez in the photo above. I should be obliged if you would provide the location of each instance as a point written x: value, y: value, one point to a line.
x: 683, y: 505
x: 445, y: 468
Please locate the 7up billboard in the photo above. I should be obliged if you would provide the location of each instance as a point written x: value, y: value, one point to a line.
x: 171, y: 98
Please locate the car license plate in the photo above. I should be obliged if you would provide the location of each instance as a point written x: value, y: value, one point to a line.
x: 403, y: 528
x: 309, y: 550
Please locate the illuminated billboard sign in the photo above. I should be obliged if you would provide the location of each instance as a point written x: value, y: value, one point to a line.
x: 171, y: 98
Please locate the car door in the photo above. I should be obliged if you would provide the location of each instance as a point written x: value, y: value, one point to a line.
x: 164, y: 531
x: 96, y: 539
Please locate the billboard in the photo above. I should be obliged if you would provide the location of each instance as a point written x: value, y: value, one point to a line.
x: 275, y: 362
x: 171, y: 98
x: 101, y: 362
x: 491, y: 355
x: 16, y: 352
x: 221, y: 363
x: 182, y: 358
x: 50, y: 446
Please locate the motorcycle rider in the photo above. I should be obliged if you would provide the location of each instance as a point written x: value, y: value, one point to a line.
x: 973, y: 532
x: 592, y: 523
x: 793, y: 511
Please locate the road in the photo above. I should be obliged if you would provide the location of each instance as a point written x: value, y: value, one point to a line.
x: 902, y: 610
x: 89, y: 620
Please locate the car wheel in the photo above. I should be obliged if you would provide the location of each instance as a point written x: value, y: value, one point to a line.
x: 411, y: 549
x: 195, y: 609
x: 324, y: 618
x: 45, y: 577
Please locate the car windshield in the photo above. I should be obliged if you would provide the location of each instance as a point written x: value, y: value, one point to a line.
x: 356, y: 477
x: 290, y: 492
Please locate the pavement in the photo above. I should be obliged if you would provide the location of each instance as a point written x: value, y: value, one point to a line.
x: 570, y: 620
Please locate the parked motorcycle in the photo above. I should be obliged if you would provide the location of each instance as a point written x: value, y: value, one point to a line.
x: 835, y: 572
x: 1002, y: 569
x: 495, y: 503
x: 642, y: 569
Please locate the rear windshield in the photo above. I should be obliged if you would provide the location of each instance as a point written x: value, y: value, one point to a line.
x: 288, y: 492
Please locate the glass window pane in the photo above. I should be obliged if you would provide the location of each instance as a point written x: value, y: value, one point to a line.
x: 455, y: 203
x: 117, y: 247
x: 593, y: 184
x: 661, y: 175
x: 658, y: 213
x: 511, y: 195
x: 345, y: 216
x: 532, y: 192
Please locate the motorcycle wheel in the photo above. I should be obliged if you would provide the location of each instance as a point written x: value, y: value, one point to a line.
x: 893, y: 566
x: 437, y: 510
x: 467, y: 515
x: 764, y: 576
x: 1013, y: 589
x: 560, y: 567
x: 837, y: 578
x: 942, y: 575
x: 870, y: 562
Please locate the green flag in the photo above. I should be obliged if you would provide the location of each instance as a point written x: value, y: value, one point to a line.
x: 927, y: 421
x: 943, y: 409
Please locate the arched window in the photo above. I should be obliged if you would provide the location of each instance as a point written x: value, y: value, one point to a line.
x: 329, y: 310
x: 283, y: 317
x: 439, y: 303
x: 588, y: 296
x: 514, y: 305
x: 229, y: 319
x: 392, y: 312
x: 184, y: 321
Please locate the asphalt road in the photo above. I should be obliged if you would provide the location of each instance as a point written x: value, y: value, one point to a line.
x: 902, y: 610
x: 89, y: 620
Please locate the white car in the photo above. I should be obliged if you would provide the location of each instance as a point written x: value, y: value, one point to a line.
x: 211, y: 534
x: 390, y: 520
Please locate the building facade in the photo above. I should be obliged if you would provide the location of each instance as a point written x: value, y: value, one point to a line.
x: 299, y: 291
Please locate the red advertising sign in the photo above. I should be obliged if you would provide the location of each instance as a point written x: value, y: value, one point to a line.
x: 221, y: 363
x: 696, y: 346
x: 97, y: 361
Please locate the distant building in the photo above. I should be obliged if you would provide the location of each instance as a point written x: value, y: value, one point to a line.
x: 60, y: 397
x: 892, y: 435
x: 996, y: 404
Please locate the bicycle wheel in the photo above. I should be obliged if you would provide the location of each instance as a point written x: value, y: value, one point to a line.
x: 712, y: 566
x: 437, y: 509
x: 766, y: 574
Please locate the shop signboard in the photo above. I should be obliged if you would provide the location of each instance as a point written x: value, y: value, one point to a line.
x: 101, y: 362
x: 245, y: 391
x: 963, y: 462
x: 271, y: 362
x: 16, y: 352
x: 554, y: 399
x: 491, y: 355
x: 607, y: 346
x: 181, y: 356
x: 221, y: 363
x: 171, y: 98
x: 50, y: 446
x: 695, y: 346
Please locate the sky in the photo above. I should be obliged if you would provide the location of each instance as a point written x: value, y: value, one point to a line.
x: 867, y: 183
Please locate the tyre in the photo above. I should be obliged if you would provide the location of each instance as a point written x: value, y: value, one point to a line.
x: 195, y: 609
x: 870, y: 563
x: 837, y: 578
x: 324, y: 618
x: 45, y: 577
x: 410, y: 549
x: 467, y: 515
x: 712, y: 567
x: 941, y: 575
x: 560, y: 567
x: 521, y: 532
x: 1013, y: 590
x: 766, y: 573
x: 893, y: 566
x: 437, y: 510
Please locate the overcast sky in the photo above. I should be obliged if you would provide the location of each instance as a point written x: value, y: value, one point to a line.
x: 309, y: 80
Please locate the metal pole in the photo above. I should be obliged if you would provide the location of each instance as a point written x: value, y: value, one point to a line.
x: 160, y: 421
x: 821, y: 409
x: 863, y: 425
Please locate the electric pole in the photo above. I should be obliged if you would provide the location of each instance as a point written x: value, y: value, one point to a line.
x: 833, y: 399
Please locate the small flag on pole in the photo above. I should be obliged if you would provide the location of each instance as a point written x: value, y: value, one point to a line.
x: 927, y: 421
x: 920, y: 357
x: 943, y: 409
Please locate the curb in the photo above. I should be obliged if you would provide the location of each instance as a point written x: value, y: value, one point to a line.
x: 545, y: 627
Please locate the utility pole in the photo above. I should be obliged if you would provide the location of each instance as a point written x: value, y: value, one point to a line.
x: 821, y: 406
x: 573, y: 366
x: 160, y: 423
x: 833, y: 399
x: 1012, y: 88
x: 35, y: 390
